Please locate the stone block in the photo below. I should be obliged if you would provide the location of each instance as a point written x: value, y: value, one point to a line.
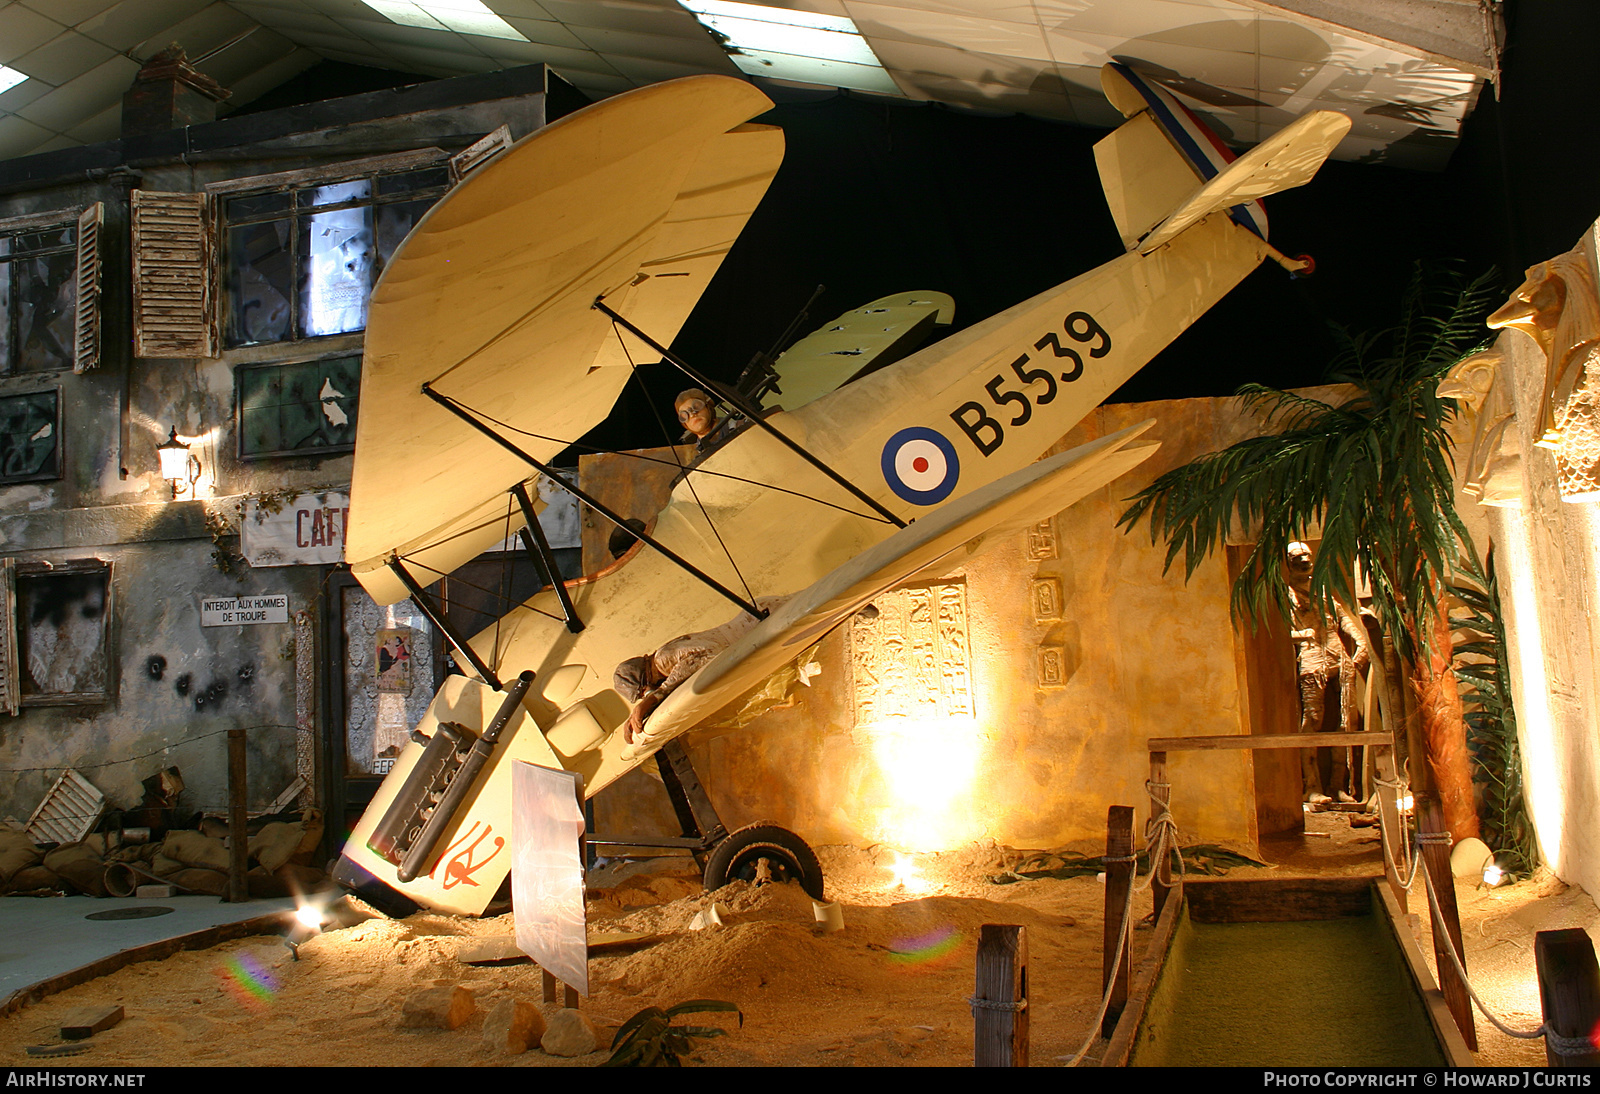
x: 446, y: 1007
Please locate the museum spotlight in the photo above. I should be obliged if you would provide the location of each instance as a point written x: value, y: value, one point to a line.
x: 179, y: 466
x: 309, y: 918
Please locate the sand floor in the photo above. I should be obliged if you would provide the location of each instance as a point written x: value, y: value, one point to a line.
x: 889, y: 990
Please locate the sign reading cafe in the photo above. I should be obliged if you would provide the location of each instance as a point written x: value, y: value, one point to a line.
x: 304, y: 531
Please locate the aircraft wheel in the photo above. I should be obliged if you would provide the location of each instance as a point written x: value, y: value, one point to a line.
x: 788, y: 857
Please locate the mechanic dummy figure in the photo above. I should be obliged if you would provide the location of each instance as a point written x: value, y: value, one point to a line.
x: 1324, y: 665
x: 649, y: 678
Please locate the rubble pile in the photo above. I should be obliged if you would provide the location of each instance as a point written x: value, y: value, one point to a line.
x: 189, y: 860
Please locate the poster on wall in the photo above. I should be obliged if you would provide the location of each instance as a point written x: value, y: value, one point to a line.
x: 394, y: 659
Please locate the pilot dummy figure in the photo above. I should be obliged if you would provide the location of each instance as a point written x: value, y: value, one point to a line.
x: 1323, y: 664
x: 700, y: 422
x: 649, y: 678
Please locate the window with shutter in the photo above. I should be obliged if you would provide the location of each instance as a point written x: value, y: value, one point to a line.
x: 49, y: 291
x: 301, y: 251
x: 174, y: 312
x: 10, y: 696
x: 86, y: 328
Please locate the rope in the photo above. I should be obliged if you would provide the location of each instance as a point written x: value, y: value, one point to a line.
x: 1165, y: 830
x: 1384, y: 835
x: 994, y: 1004
x: 1440, y: 932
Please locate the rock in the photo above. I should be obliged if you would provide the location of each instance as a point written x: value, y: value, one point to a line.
x: 570, y: 1033
x: 512, y: 1026
x: 437, y: 1008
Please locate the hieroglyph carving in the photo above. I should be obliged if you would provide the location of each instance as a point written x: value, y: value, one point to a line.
x: 914, y: 659
x: 1045, y: 595
x: 1557, y: 306
x: 1040, y: 544
x: 1052, y: 666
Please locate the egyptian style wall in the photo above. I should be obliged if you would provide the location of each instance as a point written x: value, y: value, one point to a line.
x: 1010, y: 698
x: 1544, y: 522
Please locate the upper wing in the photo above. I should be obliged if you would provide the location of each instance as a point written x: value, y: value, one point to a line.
x: 636, y: 198
x: 1004, y: 506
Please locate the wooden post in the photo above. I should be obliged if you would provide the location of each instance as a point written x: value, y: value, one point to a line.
x: 238, y: 834
x: 569, y: 994
x: 1160, y: 801
x: 1569, y: 995
x: 999, y: 1005
x: 1119, y: 878
x: 1436, y: 860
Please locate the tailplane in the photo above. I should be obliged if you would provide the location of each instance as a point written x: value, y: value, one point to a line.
x: 1164, y: 169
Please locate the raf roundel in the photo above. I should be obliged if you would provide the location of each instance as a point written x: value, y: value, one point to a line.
x: 921, y: 465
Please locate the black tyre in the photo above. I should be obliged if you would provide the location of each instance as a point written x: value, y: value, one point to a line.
x: 787, y: 857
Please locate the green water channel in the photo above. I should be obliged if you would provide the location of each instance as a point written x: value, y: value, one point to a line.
x: 1326, y: 993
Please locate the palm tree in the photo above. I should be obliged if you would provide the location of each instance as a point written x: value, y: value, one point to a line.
x: 1374, y: 472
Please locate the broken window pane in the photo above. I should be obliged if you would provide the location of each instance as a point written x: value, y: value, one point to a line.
x: 261, y: 283
x: 63, y: 634
x: 29, y: 437
x: 38, y: 299
x: 306, y: 407
x: 338, y: 271
x: 302, y: 261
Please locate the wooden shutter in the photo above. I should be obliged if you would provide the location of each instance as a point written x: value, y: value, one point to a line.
x: 10, y: 677
x: 475, y: 155
x: 86, y: 328
x: 174, y: 301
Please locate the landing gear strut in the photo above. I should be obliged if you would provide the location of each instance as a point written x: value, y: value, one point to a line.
x: 750, y: 853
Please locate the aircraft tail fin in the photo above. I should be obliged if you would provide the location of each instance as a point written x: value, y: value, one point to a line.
x: 1150, y: 165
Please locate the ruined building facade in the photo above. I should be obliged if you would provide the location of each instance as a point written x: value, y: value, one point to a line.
x: 204, y: 283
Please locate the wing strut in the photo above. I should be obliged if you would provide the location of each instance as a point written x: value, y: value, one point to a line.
x: 751, y: 412
x: 588, y: 499
x: 420, y: 598
x: 538, y: 547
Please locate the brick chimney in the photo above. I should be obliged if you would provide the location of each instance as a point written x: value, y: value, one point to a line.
x: 169, y: 93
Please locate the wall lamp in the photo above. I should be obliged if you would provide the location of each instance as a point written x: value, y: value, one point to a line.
x: 179, y: 466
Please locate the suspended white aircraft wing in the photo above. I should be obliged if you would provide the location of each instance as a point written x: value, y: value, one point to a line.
x: 984, y: 516
x: 636, y: 198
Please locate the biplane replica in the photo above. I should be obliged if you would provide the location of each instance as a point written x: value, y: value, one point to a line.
x: 505, y: 328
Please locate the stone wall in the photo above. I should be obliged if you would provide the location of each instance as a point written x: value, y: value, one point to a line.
x: 1547, y: 554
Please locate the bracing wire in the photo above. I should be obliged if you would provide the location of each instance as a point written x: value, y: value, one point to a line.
x: 688, y: 481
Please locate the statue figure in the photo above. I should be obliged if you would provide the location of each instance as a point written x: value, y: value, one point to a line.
x: 1324, y: 664
x: 1492, y: 472
x: 1558, y: 307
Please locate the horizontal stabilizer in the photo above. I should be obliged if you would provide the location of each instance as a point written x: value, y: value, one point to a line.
x: 1288, y: 158
x: 1001, y: 508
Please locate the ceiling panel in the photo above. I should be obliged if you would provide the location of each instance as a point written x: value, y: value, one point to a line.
x: 123, y: 26
x: 1036, y: 56
x: 64, y: 57
x: 25, y: 30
